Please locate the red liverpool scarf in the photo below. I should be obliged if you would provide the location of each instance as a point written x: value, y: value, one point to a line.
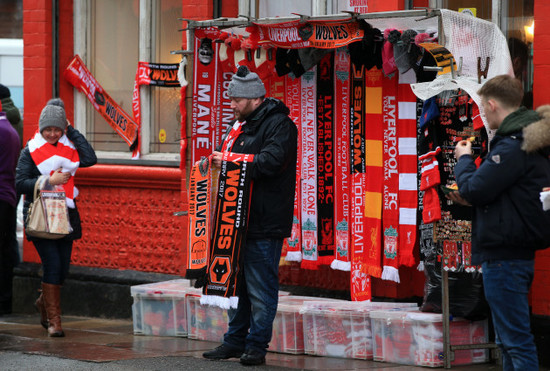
x: 48, y: 158
x: 229, y: 231
x: 342, y: 180
x: 293, y: 244
x: 200, y: 184
x: 375, y: 172
x: 390, y: 214
x: 325, y: 159
x: 359, y: 280
x: 309, y: 171
x: 408, y: 169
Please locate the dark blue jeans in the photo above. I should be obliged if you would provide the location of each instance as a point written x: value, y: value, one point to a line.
x: 506, y: 284
x: 258, y: 297
x: 8, y: 254
x: 56, y: 259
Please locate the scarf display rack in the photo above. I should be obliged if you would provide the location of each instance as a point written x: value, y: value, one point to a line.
x: 406, y: 19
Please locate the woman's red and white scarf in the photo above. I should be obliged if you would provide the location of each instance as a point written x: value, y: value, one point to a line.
x: 48, y: 158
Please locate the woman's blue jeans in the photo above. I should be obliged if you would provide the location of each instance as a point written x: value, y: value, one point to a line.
x: 56, y: 259
x: 258, y: 297
x: 506, y: 284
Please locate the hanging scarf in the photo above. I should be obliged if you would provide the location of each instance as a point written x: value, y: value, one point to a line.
x: 408, y: 169
x: 325, y: 159
x: 375, y: 172
x: 48, y: 158
x: 154, y: 74
x: 81, y: 78
x: 342, y: 172
x: 229, y: 231
x: 309, y: 171
x: 205, y: 98
x: 292, y: 245
x: 199, y: 216
x: 390, y: 214
x: 360, y: 286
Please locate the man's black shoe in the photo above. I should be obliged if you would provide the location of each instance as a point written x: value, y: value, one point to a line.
x: 222, y: 352
x: 252, y: 358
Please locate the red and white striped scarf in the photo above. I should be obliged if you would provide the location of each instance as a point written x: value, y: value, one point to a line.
x: 48, y: 158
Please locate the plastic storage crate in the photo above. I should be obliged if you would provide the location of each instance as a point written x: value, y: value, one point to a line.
x: 159, y: 308
x: 416, y: 338
x: 341, y: 330
x: 288, y: 329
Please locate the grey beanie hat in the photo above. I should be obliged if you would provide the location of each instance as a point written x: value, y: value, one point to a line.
x: 246, y: 84
x: 52, y: 116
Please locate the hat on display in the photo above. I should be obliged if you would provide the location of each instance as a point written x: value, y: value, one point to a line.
x: 52, y: 116
x: 246, y: 84
x: 430, y: 111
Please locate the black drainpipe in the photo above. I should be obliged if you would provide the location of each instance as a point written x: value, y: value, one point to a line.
x: 55, y: 48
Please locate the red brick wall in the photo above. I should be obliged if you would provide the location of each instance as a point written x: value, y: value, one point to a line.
x: 540, y: 292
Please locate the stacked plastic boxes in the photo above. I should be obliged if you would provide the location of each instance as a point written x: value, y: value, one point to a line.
x: 159, y: 308
x: 288, y: 329
x: 206, y: 322
x: 416, y: 338
x: 341, y: 329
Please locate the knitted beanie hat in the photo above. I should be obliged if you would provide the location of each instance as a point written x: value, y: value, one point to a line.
x: 52, y: 115
x: 246, y: 84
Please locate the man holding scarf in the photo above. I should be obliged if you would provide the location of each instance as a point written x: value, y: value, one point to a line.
x: 262, y: 128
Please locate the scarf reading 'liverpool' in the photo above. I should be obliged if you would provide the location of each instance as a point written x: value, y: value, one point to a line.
x: 342, y: 169
x: 229, y: 231
x: 48, y: 158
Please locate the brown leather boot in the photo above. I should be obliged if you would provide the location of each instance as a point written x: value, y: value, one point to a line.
x: 52, y: 301
x: 39, y: 305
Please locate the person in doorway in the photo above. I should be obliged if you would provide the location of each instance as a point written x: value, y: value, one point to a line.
x: 12, y: 112
x: 263, y: 128
x: 509, y: 223
x: 55, y: 152
x: 9, y: 152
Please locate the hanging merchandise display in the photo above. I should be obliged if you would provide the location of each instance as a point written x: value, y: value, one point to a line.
x: 351, y: 85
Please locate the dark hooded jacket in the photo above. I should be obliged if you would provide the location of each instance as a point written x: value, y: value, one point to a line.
x: 27, y: 174
x: 271, y: 136
x: 509, y: 222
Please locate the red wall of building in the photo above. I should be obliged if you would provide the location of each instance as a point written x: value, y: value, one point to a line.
x: 127, y: 210
x: 540, y: 292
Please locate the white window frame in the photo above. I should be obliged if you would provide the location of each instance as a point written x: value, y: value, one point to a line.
x: 83, y: 109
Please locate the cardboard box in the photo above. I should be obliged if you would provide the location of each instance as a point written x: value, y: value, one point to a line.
x: 416, y: 338
x: 159, y: 308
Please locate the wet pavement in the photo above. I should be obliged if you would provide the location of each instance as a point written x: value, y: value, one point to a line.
x: 101, y: 344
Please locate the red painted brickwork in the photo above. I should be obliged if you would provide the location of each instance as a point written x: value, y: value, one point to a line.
x: 540, y: 292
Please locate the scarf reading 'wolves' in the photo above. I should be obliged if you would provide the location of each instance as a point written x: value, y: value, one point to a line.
x: 229, y: 231
x: 200, y: 184
x: 48, y: 158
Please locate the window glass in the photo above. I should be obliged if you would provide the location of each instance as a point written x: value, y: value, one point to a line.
x: 114, y: 55
x: 165, y: 113
x: 283, y: 8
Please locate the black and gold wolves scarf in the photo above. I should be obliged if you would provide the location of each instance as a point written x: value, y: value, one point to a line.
x: 229, y: 231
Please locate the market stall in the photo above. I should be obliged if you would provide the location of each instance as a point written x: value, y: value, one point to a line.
x: 379, y: 100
